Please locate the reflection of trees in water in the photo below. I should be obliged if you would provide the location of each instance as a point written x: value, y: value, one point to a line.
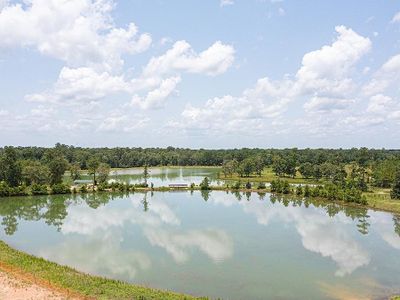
x: 145, y: 203
x: 396, y: 221
x: 205, y: 194
x: 53, y: 209
x: 359, y: 214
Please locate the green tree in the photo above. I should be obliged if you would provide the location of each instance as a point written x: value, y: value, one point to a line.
x: 33, y: 172
x: 103, y: 172
x: 146, y: 174
x: 306, y: 170
x: 75, y: 171
x: 57, y: 165
x: 258, y: 165
x: 93, y: 165
x: 229, y: 167
x: 247, y: 166
x: 205, y: 184
x: 10, y: 167
x: 384, y: 172
x: 395, y: 192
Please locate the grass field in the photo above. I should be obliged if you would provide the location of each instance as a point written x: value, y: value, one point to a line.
x: 380, y: 199
x: 74, y: 283
x: 267, y: 176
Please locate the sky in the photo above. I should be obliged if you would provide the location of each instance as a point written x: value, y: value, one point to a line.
x: 200, y: 74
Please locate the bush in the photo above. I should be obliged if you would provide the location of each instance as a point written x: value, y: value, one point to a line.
x: 307, y: 192
x: 60, y: 188
x: 285, y: 187
x: 299, y: 190
x: 205, y: 184
x: 248, y: 185
x: 83, y: 189
x: 39, y: 189
x: 261, y: 186
x: 237, y: 185
x: 4, y: 189
x: 18, y: 191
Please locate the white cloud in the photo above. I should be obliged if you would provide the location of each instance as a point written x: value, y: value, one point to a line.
x: 3, y: 3
x: 81, y: 84
x: 324, y: 77
x: 396, y: 18
x: 326, y: 70
x: 379, y: 104
x: 212, y: 61
x: 325, y: 104
x: 226, y: 2
x: 122, y: 123
x: 156, y: 97
x: 266, y: 99
x: 79, y: 32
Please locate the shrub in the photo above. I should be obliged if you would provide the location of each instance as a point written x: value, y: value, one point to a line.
x: 39, y: 189
x: 83, y: 189
x: 205, y: 184
x: 237, y: 185
x: 4, y: 189
x: 248, y: 185
x: 18, y: 191
x: 261, y: 186
x: 60, y: 188
x: 307, y: 192
x: 299, y: 190
x: 285, y: 187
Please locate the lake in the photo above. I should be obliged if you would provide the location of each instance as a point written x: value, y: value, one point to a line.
x: 217, y: 244
x: 162, y: 176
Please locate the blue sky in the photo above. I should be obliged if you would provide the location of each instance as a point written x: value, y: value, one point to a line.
x: 211, y: 74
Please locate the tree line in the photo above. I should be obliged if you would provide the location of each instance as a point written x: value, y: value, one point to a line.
x: 38, y: 166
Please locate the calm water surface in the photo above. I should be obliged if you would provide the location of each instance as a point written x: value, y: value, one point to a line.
x: 165, y: 175
x: 234, y: 246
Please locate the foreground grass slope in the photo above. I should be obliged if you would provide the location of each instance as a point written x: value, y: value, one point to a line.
x: 76, y: 283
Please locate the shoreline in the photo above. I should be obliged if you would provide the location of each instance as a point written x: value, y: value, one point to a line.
x: 74, y: 284
x: 374, y: 207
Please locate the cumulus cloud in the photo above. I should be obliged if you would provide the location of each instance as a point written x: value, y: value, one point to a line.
x: 226, y: 2
x: 156, y: 97
x: 87, y: 84
x: 181, y: 57
x: 325, y: 104
x: 396, y: 18
x: 83, y: 34
x: 79, y: 32
x: 379, y: 104
x: 324, y: 80
x: 81, y: 84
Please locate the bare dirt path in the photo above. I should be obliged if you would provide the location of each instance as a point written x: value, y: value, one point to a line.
x: 17, y: 289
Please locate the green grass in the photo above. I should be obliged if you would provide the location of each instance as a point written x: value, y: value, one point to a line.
x: 379, y: 198
x: 83, y: 284
x: 267, y: 176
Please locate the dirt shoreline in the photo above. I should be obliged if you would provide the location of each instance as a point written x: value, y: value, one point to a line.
x: 17, y: 285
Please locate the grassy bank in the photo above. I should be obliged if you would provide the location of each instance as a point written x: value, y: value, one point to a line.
x: 377, y: 198
x: 74, y: 283
x: 267, y: 176
x: 380, y: 199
